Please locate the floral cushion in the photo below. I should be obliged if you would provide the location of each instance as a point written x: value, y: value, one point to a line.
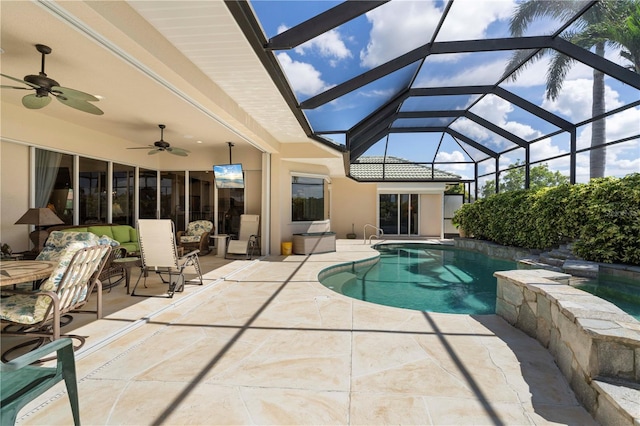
x: 58, y: 240
x: 105, y: 240
x: 195, y: 230
x: 31, y: 309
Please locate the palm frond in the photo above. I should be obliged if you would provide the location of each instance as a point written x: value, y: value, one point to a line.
x: 558, y: 69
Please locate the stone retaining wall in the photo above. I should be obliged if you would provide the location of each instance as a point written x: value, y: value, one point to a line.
x: 595, y: 343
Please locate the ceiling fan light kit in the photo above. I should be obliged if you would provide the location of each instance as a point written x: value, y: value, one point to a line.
x: 162, y: 145
x: 45, y: 86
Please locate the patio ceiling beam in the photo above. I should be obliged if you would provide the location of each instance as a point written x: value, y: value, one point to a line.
x: 421, y: 53
x: 446, y: 91
x: 430, y: 114
x: 594, y: 61
x: 491, y: 153
x: 363, y: 145
x: 321, y: 23
x: 534, y: 109
x: 371, y: 136
x: 496, y: 129
x: 374, y: 119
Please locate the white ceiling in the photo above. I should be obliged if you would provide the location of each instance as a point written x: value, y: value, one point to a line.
x: 185, y: 64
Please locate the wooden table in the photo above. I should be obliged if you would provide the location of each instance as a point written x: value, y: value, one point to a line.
x: 21, y: 271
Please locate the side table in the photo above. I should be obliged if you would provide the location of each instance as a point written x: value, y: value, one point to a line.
x: 221, y: 244
x: 127, y: 263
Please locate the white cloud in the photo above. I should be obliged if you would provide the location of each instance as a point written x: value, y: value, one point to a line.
x: 544, y: 149
x: 327, y: 45
x: 483, y: 73
x: 575, y: 100
x: 481, y: 14
x: 303, y: 77
x: 398, y: 27
x: 454, y: 156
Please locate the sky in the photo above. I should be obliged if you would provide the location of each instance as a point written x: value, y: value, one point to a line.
x: 402, y: 25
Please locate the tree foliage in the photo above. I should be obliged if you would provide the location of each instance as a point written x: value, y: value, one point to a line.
x: 513, y: 179
x: 602, y: 218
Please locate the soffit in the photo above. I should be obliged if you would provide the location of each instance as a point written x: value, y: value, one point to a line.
x: 207, y: 34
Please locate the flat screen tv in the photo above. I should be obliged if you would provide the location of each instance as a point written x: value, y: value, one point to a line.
x: 229, y: 176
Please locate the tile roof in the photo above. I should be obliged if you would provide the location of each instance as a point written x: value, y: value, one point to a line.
x: 375, y: 169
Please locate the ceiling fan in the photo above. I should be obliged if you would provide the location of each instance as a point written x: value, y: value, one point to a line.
x: 162, y: 145
x: 44, y: 86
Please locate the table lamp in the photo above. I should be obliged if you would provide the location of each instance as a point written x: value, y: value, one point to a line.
x: 39, y: 217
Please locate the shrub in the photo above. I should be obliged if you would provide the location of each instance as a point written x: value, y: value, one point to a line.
x: 602, y: 217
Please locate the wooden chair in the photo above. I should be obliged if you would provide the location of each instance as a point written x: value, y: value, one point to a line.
x: 40, y: 313
x: 196, y: 236
x: 159, y: 254
x: 22, y: 382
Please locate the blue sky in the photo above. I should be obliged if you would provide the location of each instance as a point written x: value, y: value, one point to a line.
x: 400, y: 26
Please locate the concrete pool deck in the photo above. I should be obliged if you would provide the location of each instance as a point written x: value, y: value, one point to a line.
x: 263, y: 342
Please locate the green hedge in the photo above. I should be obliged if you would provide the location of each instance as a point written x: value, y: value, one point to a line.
x: 602, y: 217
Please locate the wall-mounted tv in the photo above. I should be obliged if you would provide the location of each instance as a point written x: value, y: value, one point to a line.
x: 229, y: 176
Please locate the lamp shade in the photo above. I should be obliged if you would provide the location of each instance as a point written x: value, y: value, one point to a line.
x: 39, y: 217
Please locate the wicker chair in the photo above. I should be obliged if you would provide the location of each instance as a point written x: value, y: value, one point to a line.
x: 196, y: 236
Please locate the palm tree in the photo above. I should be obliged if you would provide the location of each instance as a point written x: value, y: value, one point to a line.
x: 613, y: 23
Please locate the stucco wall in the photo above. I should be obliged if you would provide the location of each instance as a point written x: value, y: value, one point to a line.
x: 352, y: 203
x: 431, y: 215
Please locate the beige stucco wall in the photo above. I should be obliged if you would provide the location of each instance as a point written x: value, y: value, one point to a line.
x: 354, y: 204
x: 431, y: 215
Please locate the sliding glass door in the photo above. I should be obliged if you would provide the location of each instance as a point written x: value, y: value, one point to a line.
x: 399, y: 214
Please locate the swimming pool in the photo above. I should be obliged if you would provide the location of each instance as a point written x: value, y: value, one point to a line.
x: 624, y: 293
x: 424, y: 277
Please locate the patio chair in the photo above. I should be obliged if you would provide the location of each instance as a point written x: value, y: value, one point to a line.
x: 43, y: 312
x: 248, y: 238
x: 22, y: 382
x: 159, y: 254
x: 196, y: 236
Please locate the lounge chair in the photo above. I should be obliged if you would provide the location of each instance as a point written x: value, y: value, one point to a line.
x: 248, y: 239
x: 159, y: 254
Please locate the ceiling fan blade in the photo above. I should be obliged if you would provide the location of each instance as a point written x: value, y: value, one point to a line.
x: 74, y: 94
x: 35, y: 102
x: 19, y: 80
x: 80, y: 105
x: 153, y: 151
x: 142, y: 147
x: 178, y: 151
x: 16, y: 87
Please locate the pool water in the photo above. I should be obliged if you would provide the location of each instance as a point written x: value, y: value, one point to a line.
x: 425, y: 277
x: 624, y: 293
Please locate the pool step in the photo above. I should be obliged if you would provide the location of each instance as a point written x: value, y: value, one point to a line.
x: 618, y: 401
x: 337, y: 281
x: 581, y: 268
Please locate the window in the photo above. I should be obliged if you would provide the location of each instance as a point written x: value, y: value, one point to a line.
x: 92, y: 196
x: 308, y: 199
x: 123, y: 194
x: 54, y: 186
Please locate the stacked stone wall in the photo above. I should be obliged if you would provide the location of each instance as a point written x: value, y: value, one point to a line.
x: 595, y: 344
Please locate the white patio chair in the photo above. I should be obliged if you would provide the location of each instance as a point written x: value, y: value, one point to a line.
x: 248, y: 238
x: 159, y: 254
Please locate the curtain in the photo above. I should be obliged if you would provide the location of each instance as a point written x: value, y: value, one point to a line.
x: 47, y: 165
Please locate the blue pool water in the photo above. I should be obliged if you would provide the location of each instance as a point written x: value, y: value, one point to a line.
x: 425, y: 277
x: 624, y: 293
x: 434, y: 278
